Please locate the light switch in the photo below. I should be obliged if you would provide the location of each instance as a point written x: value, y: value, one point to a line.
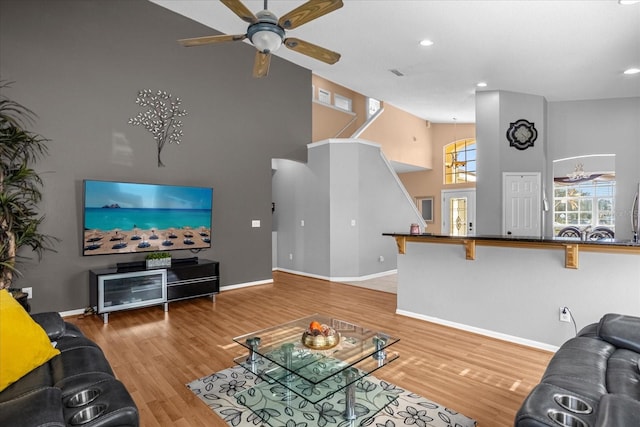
x: 255, y: 223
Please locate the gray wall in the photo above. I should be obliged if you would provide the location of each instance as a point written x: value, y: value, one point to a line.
x: 79, y: 65
x: 347, y: 196
x: 495, y: 111
x: 498, y: 303
x: 302, y: 196
x: 565, y: 129
x: 515, y: 293
x: 608, y: 126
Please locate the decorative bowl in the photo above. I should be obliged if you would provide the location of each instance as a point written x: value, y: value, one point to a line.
x: 320, y: 342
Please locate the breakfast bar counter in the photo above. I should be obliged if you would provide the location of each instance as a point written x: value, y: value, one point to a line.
x: 512, y: 287
x: 571, y: 246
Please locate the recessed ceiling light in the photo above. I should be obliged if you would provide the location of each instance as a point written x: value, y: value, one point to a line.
x: 628, y: 2
x: 632, y: 71
x: 482, y: 84
x: 426, y: 42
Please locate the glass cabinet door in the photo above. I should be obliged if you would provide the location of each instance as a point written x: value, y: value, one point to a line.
x: 131, y: 290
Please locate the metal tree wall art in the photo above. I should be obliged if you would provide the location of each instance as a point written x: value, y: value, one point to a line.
x: 160, y: 117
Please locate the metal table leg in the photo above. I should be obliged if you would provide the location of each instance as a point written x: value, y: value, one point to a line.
x: 350, y: 394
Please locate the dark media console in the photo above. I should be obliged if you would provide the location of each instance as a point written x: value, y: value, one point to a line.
x: 131, y: 285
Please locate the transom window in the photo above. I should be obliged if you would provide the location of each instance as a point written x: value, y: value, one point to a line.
x: 460, y: 161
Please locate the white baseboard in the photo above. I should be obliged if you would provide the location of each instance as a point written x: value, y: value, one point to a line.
x: 72, y: 312
x: 245, y: 285
x: 301, y: 273
x: 363, y: 278
x: 480, y: 331
x: 338, y: 279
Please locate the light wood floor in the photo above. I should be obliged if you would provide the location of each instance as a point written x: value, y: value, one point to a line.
x: 155, y: 353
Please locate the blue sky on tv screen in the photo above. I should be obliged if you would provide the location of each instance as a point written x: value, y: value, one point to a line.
x: 146, y: 196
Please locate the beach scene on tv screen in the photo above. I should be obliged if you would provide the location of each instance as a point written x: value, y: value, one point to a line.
x: 131, y: 217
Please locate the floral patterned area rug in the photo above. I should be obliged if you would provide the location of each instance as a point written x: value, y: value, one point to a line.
x: 274, y: 406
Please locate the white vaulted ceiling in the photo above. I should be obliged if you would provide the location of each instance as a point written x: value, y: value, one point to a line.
x: 562, y: 50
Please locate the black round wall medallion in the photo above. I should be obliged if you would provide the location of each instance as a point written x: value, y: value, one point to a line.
x: 522, y: 134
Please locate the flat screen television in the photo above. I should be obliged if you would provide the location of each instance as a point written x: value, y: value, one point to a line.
x: 126, y: 217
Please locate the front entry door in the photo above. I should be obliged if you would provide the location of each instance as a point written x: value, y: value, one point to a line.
x: 521, y: 204
x: 458, y: 212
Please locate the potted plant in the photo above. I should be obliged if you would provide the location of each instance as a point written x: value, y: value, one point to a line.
x: 158, y: 260
x: 20, y: 187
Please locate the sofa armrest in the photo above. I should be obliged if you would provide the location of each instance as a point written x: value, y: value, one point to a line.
x: 52, y: 323
x: 620, y: 330
x: 35, y: 408
x: 617, y: 410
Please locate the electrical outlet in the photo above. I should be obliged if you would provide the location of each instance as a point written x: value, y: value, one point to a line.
x: 565, y: 314
x: 29, y: 292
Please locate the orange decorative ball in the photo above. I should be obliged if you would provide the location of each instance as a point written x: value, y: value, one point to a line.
x: 315, y: 326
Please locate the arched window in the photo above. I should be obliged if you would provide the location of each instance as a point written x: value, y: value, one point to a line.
x: 460, y: 161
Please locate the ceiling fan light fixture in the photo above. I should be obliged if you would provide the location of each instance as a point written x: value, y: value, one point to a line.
x: 267, y: 32
x: 266, y: 37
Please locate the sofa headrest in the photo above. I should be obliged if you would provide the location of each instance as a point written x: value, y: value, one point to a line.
x: 621, y: 330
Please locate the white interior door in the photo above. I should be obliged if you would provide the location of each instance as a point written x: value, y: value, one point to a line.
x: 459, y: 212
x: 521, y: 204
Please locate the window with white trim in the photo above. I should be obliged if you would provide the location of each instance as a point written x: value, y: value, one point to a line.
x: 342, y: 102
x: 373, y: 106
x: 584, y: 205
x: 324, y: 96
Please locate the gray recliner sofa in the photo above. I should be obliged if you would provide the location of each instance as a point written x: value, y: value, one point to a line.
x: 593, y: 380
x: 75, y: 388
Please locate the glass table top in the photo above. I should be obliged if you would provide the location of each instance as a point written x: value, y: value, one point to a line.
x: 291, y: 374
x: 360, y: 348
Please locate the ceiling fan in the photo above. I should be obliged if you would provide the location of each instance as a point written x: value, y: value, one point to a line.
x: 267, y: 33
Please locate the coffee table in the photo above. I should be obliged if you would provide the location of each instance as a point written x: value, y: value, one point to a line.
x: 297, y: 377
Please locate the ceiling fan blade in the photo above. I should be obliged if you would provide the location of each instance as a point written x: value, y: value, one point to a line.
x: 241, y: 10
x: 307, y: 12
x: 198, y: 41
x: 261, y: 64
x: 312, y: 50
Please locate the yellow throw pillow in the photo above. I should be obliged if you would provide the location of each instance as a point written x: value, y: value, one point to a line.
x: 24, y: 345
